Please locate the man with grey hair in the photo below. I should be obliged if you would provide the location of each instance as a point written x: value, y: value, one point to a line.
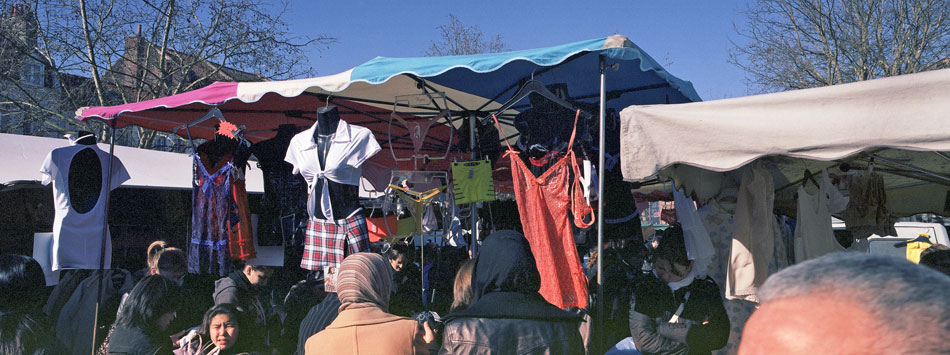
x: 851, y: 303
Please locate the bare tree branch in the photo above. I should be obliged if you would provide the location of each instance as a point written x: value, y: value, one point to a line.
x: 459, y: 39
x: 112, y: 52
x: 795, y: 44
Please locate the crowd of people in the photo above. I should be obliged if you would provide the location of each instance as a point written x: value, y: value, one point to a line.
x: 839, y: 303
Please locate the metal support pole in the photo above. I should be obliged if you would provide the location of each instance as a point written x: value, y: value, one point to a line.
x: 910, y: 167
x: 105, y: 233
x: 473, y: 247
x: 600, y: 208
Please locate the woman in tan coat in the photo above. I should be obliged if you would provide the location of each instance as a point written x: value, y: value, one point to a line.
x: 363, y: 326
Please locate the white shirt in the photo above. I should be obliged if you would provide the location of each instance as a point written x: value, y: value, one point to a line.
x: 349, y: 148
x: 77, y: 237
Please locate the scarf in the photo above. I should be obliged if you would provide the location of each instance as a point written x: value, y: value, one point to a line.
x: 688, y: 279
x: 364, y: 280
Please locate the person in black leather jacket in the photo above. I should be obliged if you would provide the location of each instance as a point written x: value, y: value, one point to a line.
x: 507, y: 314
x: 656, y: 323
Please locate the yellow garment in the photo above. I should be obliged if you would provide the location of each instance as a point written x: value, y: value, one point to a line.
x: 914, y: 249
x: 417, y: 201
x: 472, y: 181
x: 405, y: 226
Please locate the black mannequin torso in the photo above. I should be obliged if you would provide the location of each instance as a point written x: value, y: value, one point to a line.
x: 328, y: 119
x: 344, y: 199
x: 85, y: 175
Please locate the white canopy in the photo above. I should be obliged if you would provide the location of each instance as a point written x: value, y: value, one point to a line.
x: 902, y: 122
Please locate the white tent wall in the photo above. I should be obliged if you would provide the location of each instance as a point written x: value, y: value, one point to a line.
x: 148, y: 169
x: 901, y: 122
x: 23, y: 156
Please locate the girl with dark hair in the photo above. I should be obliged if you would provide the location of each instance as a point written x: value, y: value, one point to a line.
x: 22, y: 333
x: 398, y: 255
x: 142, y: 324
x: 22, y: 283
x: 677, y: 309
x: 218, y: 334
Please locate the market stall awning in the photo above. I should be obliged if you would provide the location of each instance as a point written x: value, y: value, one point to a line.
x: 474, y: 85
x: 900, y: 122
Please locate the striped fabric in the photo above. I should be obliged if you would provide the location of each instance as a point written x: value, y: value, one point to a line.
x: 364, y: 280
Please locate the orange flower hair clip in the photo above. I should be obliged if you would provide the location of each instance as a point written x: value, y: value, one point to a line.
x: 227, y: 129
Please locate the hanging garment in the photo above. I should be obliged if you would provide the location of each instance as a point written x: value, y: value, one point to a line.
x: 68, y: 283
x: 381, y: 227
x: 419, y: 205
x: 621, y: 218
x: 867, y: 211
x: 349, y: 148
x: 241, y: 238
x: 419, y: 128
x: 753, y: 236
x: 836, y: 201
x: 213, y: 214
x: 813, y: 234
x: 75, y: 323
x: 455, y: 237
x: 543, y: 204
x: 283, y: 206
x: 718, y: 219
x: 472, y: 181
x: 538, y: 157
x: 698, y: 246
x: 914, y: 249
x: 327, y: 239
x: 77, y: 237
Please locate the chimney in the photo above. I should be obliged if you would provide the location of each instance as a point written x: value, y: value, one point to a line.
x: 138, y: 30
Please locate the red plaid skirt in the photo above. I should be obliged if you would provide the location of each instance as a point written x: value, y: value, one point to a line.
x: 326, y: 239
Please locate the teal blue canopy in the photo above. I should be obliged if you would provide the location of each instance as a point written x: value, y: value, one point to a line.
x: 638, y: 78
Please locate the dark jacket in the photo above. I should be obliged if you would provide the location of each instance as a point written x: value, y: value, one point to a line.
x: 507, y: 314
x: 252, y: 305
x: 703, y: 326
x: 133, y: 341
x: 545, y: 334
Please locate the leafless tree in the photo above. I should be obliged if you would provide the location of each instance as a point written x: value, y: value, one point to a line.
x: 795, y: 44
x: 108, y: 52
x: 459, y: 39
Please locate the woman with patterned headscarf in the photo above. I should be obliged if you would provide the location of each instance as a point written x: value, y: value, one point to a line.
x: 364, y: 282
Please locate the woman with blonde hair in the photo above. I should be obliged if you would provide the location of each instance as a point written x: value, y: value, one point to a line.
x: 462, y: 290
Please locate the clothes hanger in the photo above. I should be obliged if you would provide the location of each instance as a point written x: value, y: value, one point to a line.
x: 214, y: 112
x: 534, y: 86
x: 809, y: 177
x: 920, y: 238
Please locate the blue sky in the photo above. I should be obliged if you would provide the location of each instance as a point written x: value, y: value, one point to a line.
x: 690, y: 38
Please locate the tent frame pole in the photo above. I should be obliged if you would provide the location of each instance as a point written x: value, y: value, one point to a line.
x: 105, y: 232
x: 473, y: 246
x: 600, y: 208
x: 910, y: 167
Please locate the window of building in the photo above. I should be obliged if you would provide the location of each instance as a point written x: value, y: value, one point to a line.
x: 32, y: 74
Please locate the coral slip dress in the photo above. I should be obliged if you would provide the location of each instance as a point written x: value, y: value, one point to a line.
x: 543, y: 203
